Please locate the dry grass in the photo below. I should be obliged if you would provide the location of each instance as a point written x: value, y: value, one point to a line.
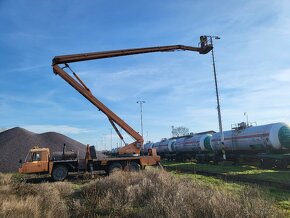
x: 160, y: 194
x: 33, y: 200
x: 145, y: 194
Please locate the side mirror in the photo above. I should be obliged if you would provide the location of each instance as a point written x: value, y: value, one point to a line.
x: 20, y: 161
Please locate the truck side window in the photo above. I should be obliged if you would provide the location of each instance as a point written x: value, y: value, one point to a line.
x: 36, y: 157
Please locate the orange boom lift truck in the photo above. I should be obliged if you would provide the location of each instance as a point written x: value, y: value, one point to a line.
x: 59, y: 164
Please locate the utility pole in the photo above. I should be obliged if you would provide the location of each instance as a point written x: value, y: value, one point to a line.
x: 216, y: 90
x: 141, y: 112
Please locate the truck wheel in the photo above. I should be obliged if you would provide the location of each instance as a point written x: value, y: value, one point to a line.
x: 59, y: 173
x: 133, y: 167
x: 266, y: 164
x: 262, y: 164
x: 281, y: 164
x: 114, y: 167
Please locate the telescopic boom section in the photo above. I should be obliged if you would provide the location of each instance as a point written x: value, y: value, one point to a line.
x: 133, y: 148
x: 116, y: 53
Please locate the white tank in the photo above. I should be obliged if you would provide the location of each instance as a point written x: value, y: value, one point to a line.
x: 171, y: 145
x: 156, y: 145
x: 163, y: 146
x: 255, y: 138
x: 178, y: 144
x: 196, y: 143
x: 147, y: 146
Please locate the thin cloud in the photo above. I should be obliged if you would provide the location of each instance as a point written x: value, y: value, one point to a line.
x: 64, y: 129
x: 27, y: 68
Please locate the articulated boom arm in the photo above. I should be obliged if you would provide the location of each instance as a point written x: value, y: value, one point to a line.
x: 133, y: 148
x: 116, y: 53
x: 113, y: 118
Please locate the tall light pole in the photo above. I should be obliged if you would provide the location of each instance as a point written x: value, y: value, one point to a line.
x: 246, y: 115
x: 216, y: 90
x: 111, y: 139
x: 104, y: 141
x: 141, y: 112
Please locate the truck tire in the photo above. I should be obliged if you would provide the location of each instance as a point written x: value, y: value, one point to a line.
x: 114, y: 167
x: 266, y: 163
x: 59, y: 173
x: 133, y: 167
x: 281, y: 164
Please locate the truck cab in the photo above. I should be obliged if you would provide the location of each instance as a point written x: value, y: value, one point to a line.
x: 36, y: 161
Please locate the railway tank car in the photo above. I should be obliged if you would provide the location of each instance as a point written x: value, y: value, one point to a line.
x: 270, y: 144
x: 197, y: 143
x: 165, y: 148
x: 147, y: 146
x: 195, y: 146
x: 270, y: 137
x: 156, y: 145
x: 181, y: 148
x: 176, y: 147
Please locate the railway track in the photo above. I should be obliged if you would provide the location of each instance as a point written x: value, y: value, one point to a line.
x: 230, y: 178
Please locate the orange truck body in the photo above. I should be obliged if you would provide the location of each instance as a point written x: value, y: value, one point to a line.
x: 40, y: 161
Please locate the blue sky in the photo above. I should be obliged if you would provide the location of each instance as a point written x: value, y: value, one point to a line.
x: 252, y: 60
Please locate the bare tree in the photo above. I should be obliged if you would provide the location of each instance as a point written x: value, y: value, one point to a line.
x: 179, y: 131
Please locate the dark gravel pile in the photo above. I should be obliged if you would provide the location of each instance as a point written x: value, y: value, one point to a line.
x: 16, y: 142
